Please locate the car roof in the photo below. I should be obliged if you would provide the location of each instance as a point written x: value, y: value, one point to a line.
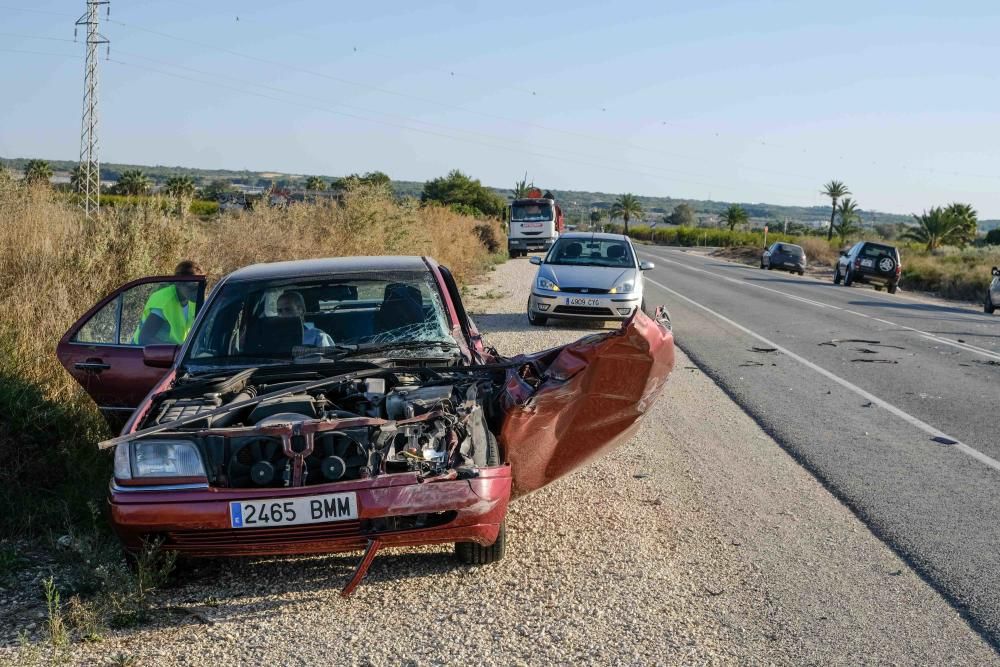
x: 330, y: 265
x: 597, y: 236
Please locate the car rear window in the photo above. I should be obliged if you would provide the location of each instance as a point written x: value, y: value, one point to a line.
x: 875, y: 250
x: 793, y: 250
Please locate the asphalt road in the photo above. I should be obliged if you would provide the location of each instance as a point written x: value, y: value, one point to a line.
x: 863, y: 415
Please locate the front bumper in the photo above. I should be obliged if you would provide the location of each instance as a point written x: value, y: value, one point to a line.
x: 598, y: 306
x: 529, y: 244
x: 197, y: 523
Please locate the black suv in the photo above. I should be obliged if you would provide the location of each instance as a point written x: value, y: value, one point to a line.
x: 868, y: 262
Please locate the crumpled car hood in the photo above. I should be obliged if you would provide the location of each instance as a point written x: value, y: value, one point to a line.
x: 586, y: 399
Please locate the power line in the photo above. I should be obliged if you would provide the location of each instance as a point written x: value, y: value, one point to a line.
x: 604, y: 161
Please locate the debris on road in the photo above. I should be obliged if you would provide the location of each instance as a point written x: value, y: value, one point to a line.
x: 876, y: 361
x: 833, y: 342
x: 764, y: 350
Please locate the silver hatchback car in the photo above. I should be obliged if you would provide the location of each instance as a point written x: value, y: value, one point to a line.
x: 587, y: 276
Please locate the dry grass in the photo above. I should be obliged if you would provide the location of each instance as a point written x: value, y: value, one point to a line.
x: 951, y: 274
x: 54, y: 265
x: 819, y: 251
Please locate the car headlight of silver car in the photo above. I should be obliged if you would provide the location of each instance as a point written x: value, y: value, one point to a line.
x: 142, y: 459
x: 546, y: 284
x: 623, y: 287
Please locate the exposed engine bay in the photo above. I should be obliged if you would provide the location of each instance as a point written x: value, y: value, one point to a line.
x: 434, y: 422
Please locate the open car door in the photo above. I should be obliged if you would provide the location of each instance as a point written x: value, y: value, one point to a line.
x: 102, y: 351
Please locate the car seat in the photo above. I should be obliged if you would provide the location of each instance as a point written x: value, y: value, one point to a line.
x: 273, y: 336
x: 402, y: 305
x: 572, y: 251
x: 616, y: 252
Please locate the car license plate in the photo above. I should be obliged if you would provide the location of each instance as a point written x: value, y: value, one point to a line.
x: 292, y: 511
x: 867, y: 262
x: 790, y: 264
x: 582, y: 301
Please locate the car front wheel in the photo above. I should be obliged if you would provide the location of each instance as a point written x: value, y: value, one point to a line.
x: 472, y: 553
x: 988, y: 305
x: 836, y: 275
x: 535, y: 319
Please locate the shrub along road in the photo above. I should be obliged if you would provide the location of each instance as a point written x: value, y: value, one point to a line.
x: 700, y: 541
x: 890, y: 400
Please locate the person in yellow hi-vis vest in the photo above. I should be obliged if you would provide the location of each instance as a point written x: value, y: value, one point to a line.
x: 170, y: 311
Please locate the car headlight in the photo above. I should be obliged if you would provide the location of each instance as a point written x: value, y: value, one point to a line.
x: 546, y: 284
x: 141, y: 459
x: 623, y: 288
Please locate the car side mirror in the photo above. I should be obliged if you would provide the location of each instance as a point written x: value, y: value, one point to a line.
x: 843, y: 253
x: 646, y: 266
x: 535, y: 259
x: 996, y: 271
x: 159, y: 356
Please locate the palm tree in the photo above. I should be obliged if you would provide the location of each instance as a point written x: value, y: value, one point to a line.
x: 37, y: 171
x: 522, y: 187
x: 626, y: 208
x: 133, y: 182
x: 735, y: 215
x: 76, y: 178
x: 315, y: 183
x: 935, y: 228
x: 966, y: 219
x: 180, y: 187
x: 834, y: 190
x: 849, y: 223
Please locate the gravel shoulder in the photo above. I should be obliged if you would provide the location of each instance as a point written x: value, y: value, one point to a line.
x: 700, y: 541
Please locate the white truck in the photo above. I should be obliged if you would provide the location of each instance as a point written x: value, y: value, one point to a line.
x: 535, y: 223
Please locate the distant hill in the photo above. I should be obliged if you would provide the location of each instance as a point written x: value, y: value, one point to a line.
x: 576, y: 203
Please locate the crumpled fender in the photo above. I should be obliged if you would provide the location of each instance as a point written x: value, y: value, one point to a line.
x: 565, y: 406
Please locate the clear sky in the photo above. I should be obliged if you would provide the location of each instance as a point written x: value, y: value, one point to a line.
x: 751, y: 101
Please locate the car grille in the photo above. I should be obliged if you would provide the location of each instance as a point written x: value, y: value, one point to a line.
x: 583, y: 290
x: 183, y: 540
x: 582, y: 310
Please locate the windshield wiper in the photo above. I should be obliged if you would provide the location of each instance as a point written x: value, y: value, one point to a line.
x: 335, y: 351
x: 407, y: 345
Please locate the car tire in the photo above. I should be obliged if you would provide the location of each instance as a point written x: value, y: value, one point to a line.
x: 877, y: 288
x: 536, y: 320
x: 472, y: 553
x: 988, y: 305
x: 802, y: 273
x: 891, y: 289
x: 848, y: 278
x: 762, y: 264
x: 836, y: 275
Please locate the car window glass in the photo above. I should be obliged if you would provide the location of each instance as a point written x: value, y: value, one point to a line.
x: 119, y: 321
x: 577, y: 251
x: 102, y: 327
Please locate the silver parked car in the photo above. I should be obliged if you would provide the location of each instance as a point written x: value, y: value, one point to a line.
x: 587, y: 276
x: 992, y: 301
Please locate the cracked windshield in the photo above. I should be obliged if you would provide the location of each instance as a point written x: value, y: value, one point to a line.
x: 251, y: 321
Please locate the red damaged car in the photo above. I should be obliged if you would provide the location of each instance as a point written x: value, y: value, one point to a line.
x: 341, y: 404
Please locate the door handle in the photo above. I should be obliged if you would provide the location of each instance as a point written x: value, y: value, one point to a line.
x: 95, y: 365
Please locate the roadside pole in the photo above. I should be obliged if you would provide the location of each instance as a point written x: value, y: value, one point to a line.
x: 765, y: 236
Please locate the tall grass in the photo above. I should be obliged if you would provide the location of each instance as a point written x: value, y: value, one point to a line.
x: 54, y: 265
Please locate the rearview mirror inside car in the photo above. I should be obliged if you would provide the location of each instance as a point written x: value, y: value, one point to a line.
x: 159, y: 356
x: 646, y: 266
x: 535, y: 260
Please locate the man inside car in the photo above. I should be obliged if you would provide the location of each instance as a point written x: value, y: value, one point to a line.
x: 292, y: 304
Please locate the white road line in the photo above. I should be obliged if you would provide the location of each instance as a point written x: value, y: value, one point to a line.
x: 905, y: 416
x: 937, y: 339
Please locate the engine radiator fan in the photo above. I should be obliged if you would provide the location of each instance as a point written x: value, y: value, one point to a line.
x: 336, y: 456
x: 258, y: 462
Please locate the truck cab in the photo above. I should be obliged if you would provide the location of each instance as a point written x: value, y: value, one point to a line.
x: 535, y: 224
